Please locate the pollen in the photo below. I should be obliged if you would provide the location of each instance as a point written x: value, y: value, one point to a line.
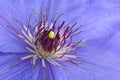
x: 51, y: 35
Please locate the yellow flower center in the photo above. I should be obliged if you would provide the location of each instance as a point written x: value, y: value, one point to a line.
x: 51, y: 35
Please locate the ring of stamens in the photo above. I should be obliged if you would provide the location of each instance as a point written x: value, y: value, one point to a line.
x: 46, y: 43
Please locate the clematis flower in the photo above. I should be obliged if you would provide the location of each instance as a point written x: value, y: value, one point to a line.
x: 59, y: 40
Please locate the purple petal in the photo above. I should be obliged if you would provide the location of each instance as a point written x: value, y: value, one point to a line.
x: 12, y: 68
x: 10, y: 65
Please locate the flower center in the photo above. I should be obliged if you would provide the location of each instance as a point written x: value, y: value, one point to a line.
x: 47, y: 42
x: 51, y: 35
